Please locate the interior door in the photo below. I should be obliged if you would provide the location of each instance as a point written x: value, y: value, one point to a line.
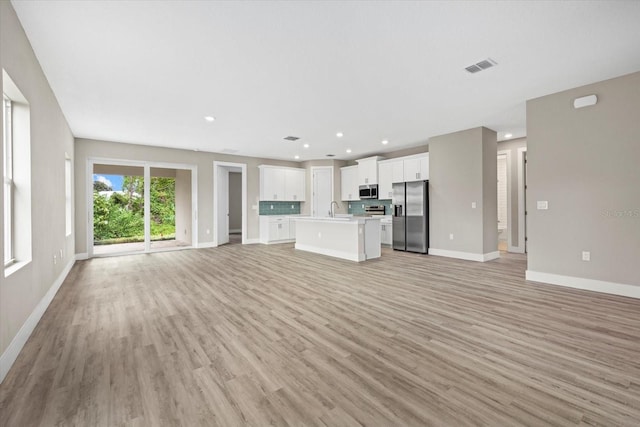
x: 322, y: 186
x: 223, y: 205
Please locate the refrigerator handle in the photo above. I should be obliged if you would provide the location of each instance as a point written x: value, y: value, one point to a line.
x: 397, y: 210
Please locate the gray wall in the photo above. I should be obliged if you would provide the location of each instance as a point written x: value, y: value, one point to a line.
x: 51, y: 138
x: 586, y: 164
x: 514, y: 184
x: 184, y: 218
x: 235, y: 201
x: 86, y: 148
x: 462, y: 170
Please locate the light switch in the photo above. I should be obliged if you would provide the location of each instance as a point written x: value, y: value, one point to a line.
x: 586, y: 256
x: 543, y: 205
x: 473, y: 205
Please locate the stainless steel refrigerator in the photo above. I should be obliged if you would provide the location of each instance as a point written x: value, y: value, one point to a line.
x: 411, y: 216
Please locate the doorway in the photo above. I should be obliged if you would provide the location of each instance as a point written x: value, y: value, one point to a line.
x: 138, y: 207
x: 522, y: 200
x: 322, y: 185
x: 503, y: 201
x: 229, y: 203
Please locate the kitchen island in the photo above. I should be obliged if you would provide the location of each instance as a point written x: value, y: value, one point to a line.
x: 351, y: 238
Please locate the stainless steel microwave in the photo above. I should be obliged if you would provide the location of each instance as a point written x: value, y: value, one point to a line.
x: 369, y: 191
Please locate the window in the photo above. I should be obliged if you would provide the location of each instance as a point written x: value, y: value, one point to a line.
x: 67, y: 194
x: 16, y: 158
x: 7, y: 156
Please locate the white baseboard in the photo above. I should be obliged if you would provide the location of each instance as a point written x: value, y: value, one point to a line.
x: 82, y: 256
x: 465, y: 255
x: 8, y: 358
x: 235, y: 231
x: 277, y: 242
x: 206, y: 245
x: 515, y: 249
x: 621, y: 289
x: 251, y: 241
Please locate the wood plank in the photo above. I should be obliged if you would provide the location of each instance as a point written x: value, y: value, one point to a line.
x: 266, y: 335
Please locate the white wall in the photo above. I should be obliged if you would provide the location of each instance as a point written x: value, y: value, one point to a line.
x: 22, y: 293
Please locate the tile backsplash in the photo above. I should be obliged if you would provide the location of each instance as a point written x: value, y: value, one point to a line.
x: 279, y: 208
x: 356, y: 207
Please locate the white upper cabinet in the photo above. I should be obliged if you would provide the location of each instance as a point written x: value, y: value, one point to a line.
x: 368, y: 170
x: 385, y: 174
x: 397, y: 171
x: 294, y: 184
x: 416, y: 169
x: 349, y: 183
x: 282, y: 184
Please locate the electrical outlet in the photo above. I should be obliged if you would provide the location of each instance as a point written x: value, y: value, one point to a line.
x: 291, y: 206
x: 451, y: 236
x: 542, y: 205
x: 61, y: 254
x: 363, y: 206
x: 55, y: 260
x: 586, y: 256
x: 208, y: 231
x: 271, y: 206
x: 473, y: 205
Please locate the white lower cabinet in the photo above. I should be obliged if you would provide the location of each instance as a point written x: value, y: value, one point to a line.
x: 386, y: 232
x: 277, y: 229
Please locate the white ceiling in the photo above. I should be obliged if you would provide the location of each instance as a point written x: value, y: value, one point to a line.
x: 147, y: 72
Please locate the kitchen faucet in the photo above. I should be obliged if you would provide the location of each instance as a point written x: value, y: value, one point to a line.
x: 333, y: 214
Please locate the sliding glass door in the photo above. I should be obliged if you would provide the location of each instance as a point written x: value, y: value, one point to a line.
x: 139, y: 208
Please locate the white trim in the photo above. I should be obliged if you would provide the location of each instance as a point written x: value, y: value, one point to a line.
x: 276, y: 242
x: 235, y: 230
x: 465, y: 255
x: 251, y: 241
x: 82, y: 256
x: 146, y: 185
x: 8, y: 358
x: 350, y: 256
x: 243, y: 167
x: 622, y: 289
x: 521, y: 205
x: 314, y: 168
x: 507, y: 154
x: 205, y: 245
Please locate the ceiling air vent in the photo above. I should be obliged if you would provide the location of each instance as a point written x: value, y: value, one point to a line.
x: 291, y: 138
x: 331, y: 155
x: 482, y: 65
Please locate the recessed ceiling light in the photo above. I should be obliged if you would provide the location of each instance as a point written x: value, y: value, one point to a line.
x: 296, y: 157
x: 508, y: 135
x: 209, y: 118
x: 339, y: 134
x: 348, y: 150
x: 385, y: 142
x: 306, y: 145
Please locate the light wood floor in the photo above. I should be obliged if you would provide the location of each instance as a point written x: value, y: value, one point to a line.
x: 264, y: 335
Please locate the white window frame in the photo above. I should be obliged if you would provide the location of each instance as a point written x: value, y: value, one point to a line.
x: 67, y: 196
x: 7, y: 155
